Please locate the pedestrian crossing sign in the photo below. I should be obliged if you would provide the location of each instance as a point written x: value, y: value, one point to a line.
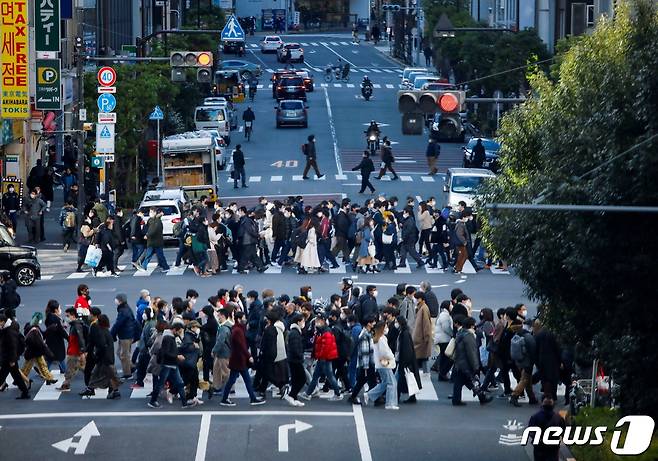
x: 105, y: 132
x: 232, y: 30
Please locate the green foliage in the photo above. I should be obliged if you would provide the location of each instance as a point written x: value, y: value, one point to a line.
x: 597, y: 417
x: 475, y: 55
x: 140, y: 88
x: 594, y: 272
x: 211, y: 17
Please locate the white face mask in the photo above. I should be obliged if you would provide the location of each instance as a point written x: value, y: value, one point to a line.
x: 385, y: 331
x: 310, y: 295
x: 193, y: 301
x: 375, y: 293
x: 116, y: 301
x: 196, y: 330
x: 397, y: 325
x: 343, y: 316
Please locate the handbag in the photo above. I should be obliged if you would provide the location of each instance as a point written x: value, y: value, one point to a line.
x: 450, y: 349
x: 387, y: 239
x: 412, y: 384
x: 371, y: 249
x: 233, y: 174
x: 93, y: 256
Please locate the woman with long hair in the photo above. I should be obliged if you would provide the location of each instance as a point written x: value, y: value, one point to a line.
x: 384, y: 364
x: 55, y: 335
x: 389, y: 240
x: 104, y: 374
x: 367, y: 260
x: 87, y: 232
x: 307, y: 257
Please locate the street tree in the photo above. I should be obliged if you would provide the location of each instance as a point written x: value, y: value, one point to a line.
x: 589, y: 135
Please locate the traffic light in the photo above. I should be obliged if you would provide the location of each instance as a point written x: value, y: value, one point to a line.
x: 203, y: 75
x: 391, y: 7
x: 431, y: 101
x: 190, y: 59
x: 178, y: 74
x: 78, y: 43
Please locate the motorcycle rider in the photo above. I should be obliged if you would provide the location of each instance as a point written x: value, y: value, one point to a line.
x: 373, y: 130
x: 253, y: 85
x: 366, y: 83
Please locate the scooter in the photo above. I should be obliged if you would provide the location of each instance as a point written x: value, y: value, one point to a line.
x: 366, y: 92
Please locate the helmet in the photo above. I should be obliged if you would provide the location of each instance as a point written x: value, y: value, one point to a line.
x: 365, y: 77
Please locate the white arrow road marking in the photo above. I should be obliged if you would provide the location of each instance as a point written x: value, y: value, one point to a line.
x: 298, y: 426
x: 85, y: 434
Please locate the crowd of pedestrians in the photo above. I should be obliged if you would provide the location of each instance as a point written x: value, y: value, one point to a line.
x: 297, y: 347
x: 370, y: 237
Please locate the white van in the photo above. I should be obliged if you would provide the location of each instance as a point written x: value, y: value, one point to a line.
x: 408, y: 70
x: 165, y: 194
x: 462, y: 184
x: 213, y: 118
x: 172, y: 213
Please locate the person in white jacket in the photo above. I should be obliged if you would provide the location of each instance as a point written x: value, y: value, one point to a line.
x: 442, y: 335
x: 384, y: 364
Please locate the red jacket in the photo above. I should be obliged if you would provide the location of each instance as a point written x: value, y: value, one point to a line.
x: 325, y: 346
x: 239, y: 359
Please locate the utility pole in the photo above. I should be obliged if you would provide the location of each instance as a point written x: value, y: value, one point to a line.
x: 78, y: 121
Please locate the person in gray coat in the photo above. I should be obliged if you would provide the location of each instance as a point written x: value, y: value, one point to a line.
x: 408, y: 308
x: 33, y: 207
x: 467, y: 364
x: 221, y: 352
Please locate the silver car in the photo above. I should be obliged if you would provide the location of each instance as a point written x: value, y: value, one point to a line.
x: 291, y: 112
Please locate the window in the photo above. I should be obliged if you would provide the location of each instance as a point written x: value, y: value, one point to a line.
x: 292, y: 82
x: 578, y: 18
x: 590, y: 15
x: 167, y: 210
x: 466, y: 184
x: 291, y: 105
x: 209, y: 115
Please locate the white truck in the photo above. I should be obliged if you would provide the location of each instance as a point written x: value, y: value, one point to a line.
x: 191, y: 161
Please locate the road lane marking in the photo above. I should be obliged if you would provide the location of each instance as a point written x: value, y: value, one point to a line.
x: 254, y: 178
x: 338, y: 85
x: 124, y: 414
x: 344, y: 43
x: 339, y: 168
x: 202, y: 443
x: 406, y: 178
x: 361, y: 433
x: 324, y: 85
x: 333, y: 43
x: 388, y: 85
x: 314, y: 44
x: 341, y: 177
x: 350, y: 85
x: 276, y: 179
x: 77, y: 275
x: 377, y: 71
x: 427, y: 179
x: 337, y: 54
x: 376, y: 85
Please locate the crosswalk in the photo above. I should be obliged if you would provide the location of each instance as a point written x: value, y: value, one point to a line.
x: 387, y: 86
x: 346, y: 176
x: 308, y: 44
x: 153, y: 271
x: 430, y: 391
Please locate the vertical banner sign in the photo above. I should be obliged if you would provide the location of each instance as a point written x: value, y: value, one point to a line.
x: 46, y: 25
x: 49, y: 85
x: 14, y: 59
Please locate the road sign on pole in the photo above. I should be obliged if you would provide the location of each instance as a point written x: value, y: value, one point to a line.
x: 232, y: 30
x: 107, y: 76
x: 106, y: 102
x: 46, y: 25
x: 157, y: 114
x: 105, y: 138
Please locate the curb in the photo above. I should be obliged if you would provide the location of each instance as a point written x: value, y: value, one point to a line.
x: 384, y: 51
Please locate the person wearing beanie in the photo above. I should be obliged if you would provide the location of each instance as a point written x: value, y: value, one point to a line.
x: 124, y: 331
x: 546, y: 418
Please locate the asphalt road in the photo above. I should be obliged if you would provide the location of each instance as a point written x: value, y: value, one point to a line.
x: 57, y: 426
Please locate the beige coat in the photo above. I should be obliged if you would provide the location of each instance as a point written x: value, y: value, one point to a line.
x: 308, y: 257
x: 422, y: 334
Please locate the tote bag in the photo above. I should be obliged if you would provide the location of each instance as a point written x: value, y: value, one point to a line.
x: 412, y: 384
x: 93, y: 256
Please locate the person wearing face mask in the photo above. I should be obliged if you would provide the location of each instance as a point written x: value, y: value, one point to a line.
x: 408, y: 307
x: 384, y: 364
x: 125, y: 330
x: 239, y: 363
x: 146, y: 339
x: 33, y: 208
x: 76, y: 351
x: 325, y: 351
x: 221, y: 352
x: 344, y: 345
x: 11, y: 205
x: 467, y: 364
x: 295, y: 354
x: 521, y: 311
x: 367, y: 306
x: 188, y: 356
x: 422, y: 335
x: 143, y: 302
x: 155, y: 241
x: 406, y: 357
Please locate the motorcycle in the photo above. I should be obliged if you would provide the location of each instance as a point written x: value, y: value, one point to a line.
x: 372, y: 138
x: 366, y: 91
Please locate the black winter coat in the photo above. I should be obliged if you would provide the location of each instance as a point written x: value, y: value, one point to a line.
x: 56, y: 337
x: 549, y: 356
x: 295, y: 351
x: 407, y: 354
x: 367, y: 307
x: 104, y: 347
x: 365, y: 167
x: 10, y: 343
x: 9, y: 298
x: 467, y: 359
x: 409, y: 231
x: 35, y: 346
x: 342, y: 224
x: 268, y: 345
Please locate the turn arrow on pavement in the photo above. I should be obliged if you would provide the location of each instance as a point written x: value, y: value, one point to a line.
x: 298, y: 426
x: 85, y: 434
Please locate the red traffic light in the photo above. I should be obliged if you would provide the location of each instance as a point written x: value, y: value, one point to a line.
x: 448, y: 102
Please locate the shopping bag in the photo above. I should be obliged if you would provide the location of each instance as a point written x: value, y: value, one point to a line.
x: 412, y: 384
x: 450, y: 349
x: 93, y: 256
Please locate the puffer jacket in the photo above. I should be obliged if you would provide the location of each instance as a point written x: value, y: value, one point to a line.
x: 295, y: 345
x: 325, y: 345
x: 444, y: 328
x: 466, y: 352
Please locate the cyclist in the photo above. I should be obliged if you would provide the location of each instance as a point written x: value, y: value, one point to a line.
x: 253, y: 85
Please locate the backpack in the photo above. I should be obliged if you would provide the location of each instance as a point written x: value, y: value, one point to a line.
x: 344, y: 342
x: 518, y: 349
x: 178, y: 229
x: 69, y: 219
x: 299, y: 238
x: 304, y: 149
x: 228, y: 234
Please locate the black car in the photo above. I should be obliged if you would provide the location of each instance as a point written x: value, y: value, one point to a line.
x: 491, y: 150
x: 20, y: 261
x: 291, y: 88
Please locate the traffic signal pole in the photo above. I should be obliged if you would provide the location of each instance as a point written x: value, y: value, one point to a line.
x: 79, y: 123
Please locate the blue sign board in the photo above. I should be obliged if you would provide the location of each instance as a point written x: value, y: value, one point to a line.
x: 232, y: 30
x: 157, y: 114
x: 106, y: 102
